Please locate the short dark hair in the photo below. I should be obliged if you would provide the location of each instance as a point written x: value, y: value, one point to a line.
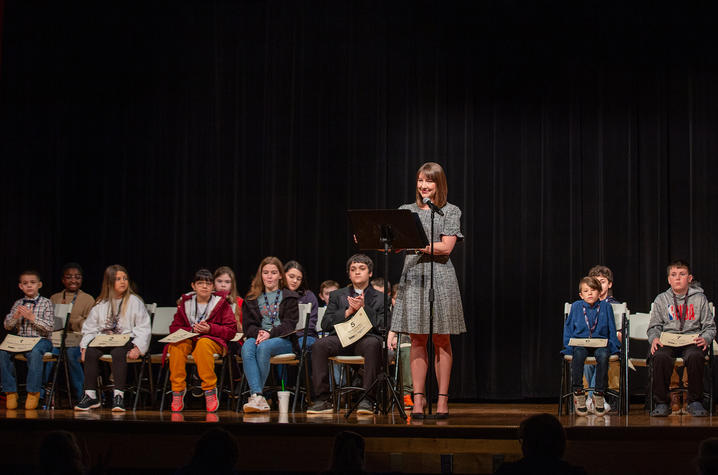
x: 680, y: 264
x: 592, y: 282
x: 542, y: 434
x: 30, y: 272
x: 203, y: 275
x: 379, y: 282
x: 71, y: 265
x: 360, y: 259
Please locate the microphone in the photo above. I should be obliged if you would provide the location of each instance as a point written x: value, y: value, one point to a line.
x: 435, y: 208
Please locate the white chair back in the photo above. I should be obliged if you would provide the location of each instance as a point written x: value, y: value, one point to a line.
x: 304, y: 310
x: 320, y: 315
x: 62, y: 312
x: 163, y: 320
x: 638, y: 325
x: 619, y: 310
x: 151, y: 307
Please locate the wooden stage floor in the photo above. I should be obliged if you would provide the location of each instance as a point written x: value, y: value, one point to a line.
x: 476, y: 439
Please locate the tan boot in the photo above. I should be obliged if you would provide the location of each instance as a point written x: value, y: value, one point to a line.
x: 32, y: 400
x: 11, y: 401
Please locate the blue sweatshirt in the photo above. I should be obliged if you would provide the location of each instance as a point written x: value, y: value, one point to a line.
x: 575, y: 325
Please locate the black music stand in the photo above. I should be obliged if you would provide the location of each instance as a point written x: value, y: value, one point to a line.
x: 384, y: 229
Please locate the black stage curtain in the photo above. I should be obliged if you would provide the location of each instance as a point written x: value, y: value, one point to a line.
x: 169, y: 136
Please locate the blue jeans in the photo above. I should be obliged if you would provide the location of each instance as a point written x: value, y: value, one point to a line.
x: 579, y: 357
x: 589, y: 372
x: 74, y: 367
x: 255, y: 359
x: 34, y: 368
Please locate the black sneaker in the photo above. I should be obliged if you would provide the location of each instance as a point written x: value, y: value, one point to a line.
x: 321, y: 407
x: 118, y: 403
x: 365, y: 408
x: 87, y: 403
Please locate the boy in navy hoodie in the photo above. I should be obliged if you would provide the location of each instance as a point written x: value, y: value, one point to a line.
x: 590, y: 318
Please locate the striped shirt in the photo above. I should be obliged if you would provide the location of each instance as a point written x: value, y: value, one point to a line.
x: 44, y: 322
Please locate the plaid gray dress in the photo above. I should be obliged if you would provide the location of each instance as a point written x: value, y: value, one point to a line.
x: 411, y: 312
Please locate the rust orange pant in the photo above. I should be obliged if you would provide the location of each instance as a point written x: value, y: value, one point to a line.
x: 203, y: 351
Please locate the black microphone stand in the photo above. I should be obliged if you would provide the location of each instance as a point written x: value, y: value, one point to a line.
x: 430, y: 343
x: 61, y: 360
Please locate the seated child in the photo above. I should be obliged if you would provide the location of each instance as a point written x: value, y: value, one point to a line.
x: 117, y: 311
x: 327, y: 287
x: 209, y: 314
x: 605, y: 276
x: 343, y: 304
x: 82, y: 303
x: 589, y: 318
x: 682, y: 309
x: 30, y: 316
x: 271, y: 313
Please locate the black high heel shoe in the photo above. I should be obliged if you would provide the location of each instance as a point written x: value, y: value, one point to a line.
x: 417, y: 415
x: 443, y: 415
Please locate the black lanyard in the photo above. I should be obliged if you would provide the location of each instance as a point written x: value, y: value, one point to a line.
x: 677, y: 311
x: 595, y: 323
x: 116, y: 317
x: 203, y: 315
x: 73, y: 298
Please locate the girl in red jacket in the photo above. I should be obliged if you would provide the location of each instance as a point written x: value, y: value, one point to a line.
x: 210, y: 315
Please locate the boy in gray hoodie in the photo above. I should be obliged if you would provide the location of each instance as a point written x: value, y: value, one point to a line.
x: 682, y: 309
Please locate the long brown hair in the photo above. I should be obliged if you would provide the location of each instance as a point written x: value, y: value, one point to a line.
x: 258, y: 284
x: 433, y: 171
x: 108, y: 285
x: 233, y: 289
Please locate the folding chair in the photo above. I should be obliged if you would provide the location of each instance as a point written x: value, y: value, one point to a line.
x: 320, y: 316
x: 61, y: 327
x: 144, y: 362
x: 566, y: 391
x: 60, y: 341
x: 160, y: 329
x: 678, y: 362
x: 222, y: 360
x: 289, y: 359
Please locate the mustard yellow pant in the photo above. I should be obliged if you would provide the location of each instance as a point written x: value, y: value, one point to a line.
x: 202, y: 351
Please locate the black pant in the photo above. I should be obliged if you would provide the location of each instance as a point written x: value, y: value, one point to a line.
x: 119, y: 365
x: 369, y: 346
x: 663, y: 360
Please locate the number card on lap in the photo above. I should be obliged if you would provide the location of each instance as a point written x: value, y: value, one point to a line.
x: 237, y: 337
x: 179, y: 335
x: 19, y: 344
x: 351, y: 331
x: 675, y: 339
x: 110, y: 340
x: 588, y: 342
x: 72, y: 339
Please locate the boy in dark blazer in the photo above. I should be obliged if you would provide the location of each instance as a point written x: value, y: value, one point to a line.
x: 343, y: 305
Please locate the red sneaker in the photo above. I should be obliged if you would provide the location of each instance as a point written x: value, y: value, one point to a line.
x: 210, y: 398
x: 408, y: 403
x: 178, y: 400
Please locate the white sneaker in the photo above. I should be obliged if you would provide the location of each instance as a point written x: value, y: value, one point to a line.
x: 261, y: 404
x: 251, y: 405
x: 607, y: 406
x: 590, y: 406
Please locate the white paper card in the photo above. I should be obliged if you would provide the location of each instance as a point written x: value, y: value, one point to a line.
x: 237, y: 337
x: 179, y: 335
x: 588, y: 342
x: 352, y: 330
x: 110, y: 340
x: 675, y: 339
x: 71, y: 339
x: 19, y: 344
